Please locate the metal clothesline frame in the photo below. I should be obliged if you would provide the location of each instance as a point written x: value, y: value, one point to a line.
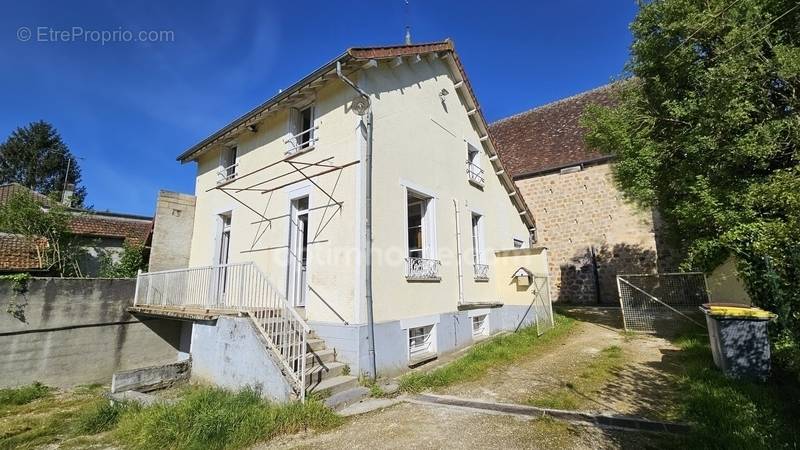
x: 297, y: 167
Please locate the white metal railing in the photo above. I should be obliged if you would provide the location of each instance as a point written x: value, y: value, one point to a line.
x: 302, y: 140
x: 227, y: 173
x: 481, y: 271
x: 475, y: 173
x: 241, y: 288
x: 422, y: 269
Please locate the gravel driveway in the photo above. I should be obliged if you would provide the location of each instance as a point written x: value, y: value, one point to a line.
x: 641, y: 383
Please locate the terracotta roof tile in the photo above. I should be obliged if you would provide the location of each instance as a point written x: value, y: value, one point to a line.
x: 548, y: 137
x: 400, y: 50
x: 135, y: 230
x: 9, y: 190
x: 90, y: 223
x: 17, y: 253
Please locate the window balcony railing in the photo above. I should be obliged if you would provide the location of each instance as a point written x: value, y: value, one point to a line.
x: 475, y: 174
x: 481, y: 271
x: 227, y: 173
x: 302, y: 141
x: 422, y: 269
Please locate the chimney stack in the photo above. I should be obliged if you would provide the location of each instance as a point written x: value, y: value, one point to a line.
x: 66, y: 197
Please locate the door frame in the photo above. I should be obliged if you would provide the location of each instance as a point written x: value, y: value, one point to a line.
x: 293, y: 196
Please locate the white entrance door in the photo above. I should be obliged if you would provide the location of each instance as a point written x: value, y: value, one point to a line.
x: 298, y: 252
x: 221, y: 279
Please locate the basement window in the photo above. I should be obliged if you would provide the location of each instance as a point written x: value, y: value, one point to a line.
x: 421, y: 343
x: 480, y: 326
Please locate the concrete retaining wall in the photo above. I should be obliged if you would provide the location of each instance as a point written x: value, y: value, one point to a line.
x: 453, y: 332
x: 75, y: 331
x: 230, y: 353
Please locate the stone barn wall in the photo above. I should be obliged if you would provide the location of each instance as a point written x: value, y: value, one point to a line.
x: 592, y: 233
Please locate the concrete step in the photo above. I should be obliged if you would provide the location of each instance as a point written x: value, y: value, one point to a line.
x: 315, y: 345
x: 323, y: 371
x: 321, y: 356
x: 346, y: 398
x: 331, y: 386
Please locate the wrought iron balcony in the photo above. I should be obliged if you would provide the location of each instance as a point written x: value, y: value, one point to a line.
x: 481, y: 271
x: 422, y: 269
x: 475, y: 174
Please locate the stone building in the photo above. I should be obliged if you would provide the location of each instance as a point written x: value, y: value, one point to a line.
x: 592, y: 233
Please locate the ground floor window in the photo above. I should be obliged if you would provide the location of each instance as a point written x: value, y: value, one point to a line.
x: 421, y: 341
x: 480, y: 325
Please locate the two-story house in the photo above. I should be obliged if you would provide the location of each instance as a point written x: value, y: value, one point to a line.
x: 361, y: 212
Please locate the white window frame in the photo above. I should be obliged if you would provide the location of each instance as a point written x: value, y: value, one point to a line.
x: 294, y: 123
x: 483, y: 330
x: 475, y: 173
x: 429, y: 244
x: 429, y: 343
x: 472, y: 313
x: 477, y: 233
x: 227, y: 165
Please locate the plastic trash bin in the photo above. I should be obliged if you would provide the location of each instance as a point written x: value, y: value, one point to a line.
x: 739, y: 339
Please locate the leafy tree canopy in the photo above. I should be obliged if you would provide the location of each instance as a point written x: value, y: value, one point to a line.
x: 707, y: 131
x: 36, y: 157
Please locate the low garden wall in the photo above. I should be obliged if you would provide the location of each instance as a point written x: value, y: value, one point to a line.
x: 64, y: 332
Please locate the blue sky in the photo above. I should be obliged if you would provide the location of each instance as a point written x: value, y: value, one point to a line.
x: 129, y: 108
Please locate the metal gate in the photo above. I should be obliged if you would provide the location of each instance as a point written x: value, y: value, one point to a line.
x: 663, y: 302
x: 542, y: 305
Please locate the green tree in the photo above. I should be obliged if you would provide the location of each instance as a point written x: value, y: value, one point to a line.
x: 47, y: 232
x: 126, y: 264
x: 36, y: 157
x: 707, y: 131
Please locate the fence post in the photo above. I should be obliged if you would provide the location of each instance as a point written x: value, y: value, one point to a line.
x: 621, y: 304
x: 549, y: 300
x: 136, y: 292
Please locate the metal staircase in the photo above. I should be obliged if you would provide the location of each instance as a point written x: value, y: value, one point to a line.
x: 243, y: 289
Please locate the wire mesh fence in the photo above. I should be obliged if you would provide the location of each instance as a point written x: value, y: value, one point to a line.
x: 661, y: 303
x: 542, y: 304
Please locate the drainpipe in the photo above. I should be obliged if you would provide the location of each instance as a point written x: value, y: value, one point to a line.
x: 458, y: 253
x: 368, y: 222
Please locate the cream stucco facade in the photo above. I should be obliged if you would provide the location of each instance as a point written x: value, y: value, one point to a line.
x: 420, y: 144
x: 449, y: 227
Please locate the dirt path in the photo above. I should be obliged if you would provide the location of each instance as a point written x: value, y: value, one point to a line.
x: 640, y: 387
x: 414, y: 426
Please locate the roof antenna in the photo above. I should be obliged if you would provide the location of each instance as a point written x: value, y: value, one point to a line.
x: 408, y: 27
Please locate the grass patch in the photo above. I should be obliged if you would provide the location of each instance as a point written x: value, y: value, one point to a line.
x: 218, y: 419
x: 23, y: 395
x: 573, y: 394
x: 200, y: 417
x: 103, y: 416
x: 729, y: 413
x: 498, y: 351
x: 50, y: 420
